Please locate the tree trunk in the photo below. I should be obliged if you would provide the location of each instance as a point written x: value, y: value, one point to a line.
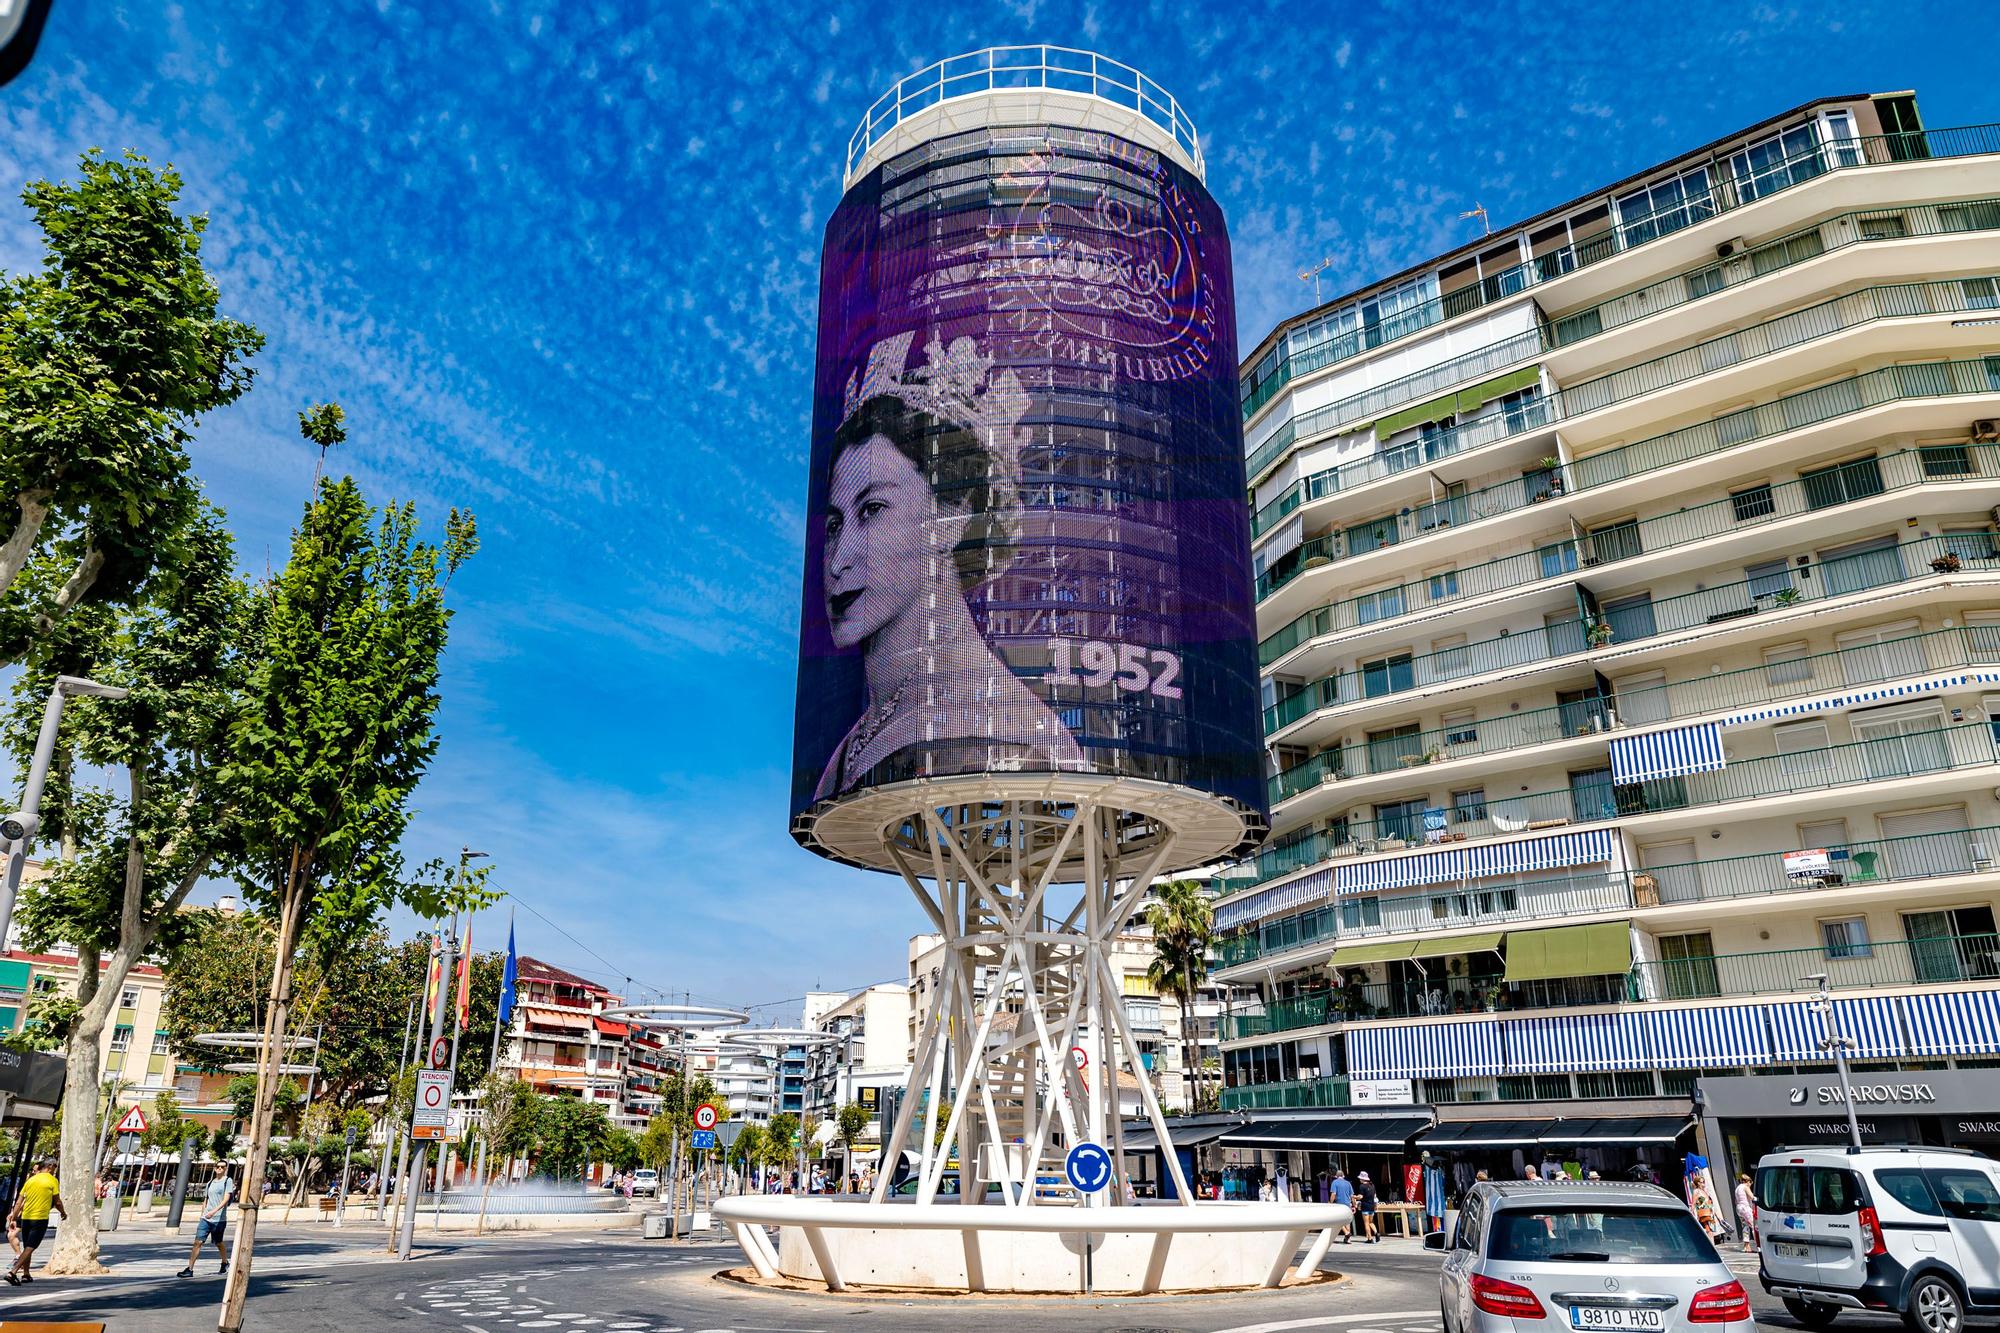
x: 270, y: 1059
x: 75, y: 1254
x: 20, y: 544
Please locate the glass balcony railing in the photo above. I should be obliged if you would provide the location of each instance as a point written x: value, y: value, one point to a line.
x: 1479, y: 989
x: 1636, y: 619
x: 1796, y: 678
x: 1598, y: 801
x: 1907, y: 301
x: 1741, y: 511
x: 1720, y: 196
x: 1273, y: 1096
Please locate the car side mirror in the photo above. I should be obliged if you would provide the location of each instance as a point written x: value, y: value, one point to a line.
x: 1434, y: 1240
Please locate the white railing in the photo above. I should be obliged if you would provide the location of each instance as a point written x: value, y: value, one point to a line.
x: 1059, y: 69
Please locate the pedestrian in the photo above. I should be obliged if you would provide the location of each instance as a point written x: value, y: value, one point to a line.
x: 214, y: 1218
x: 28, y: 1220
x: 1530, y: 1175
x: 1364, y: 1194
x: 1343, y: 1194
x: 1480, y: 1175
x: 1746, y: 1212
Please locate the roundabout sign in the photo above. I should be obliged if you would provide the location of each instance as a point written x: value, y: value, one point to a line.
x: 1088, y: 1167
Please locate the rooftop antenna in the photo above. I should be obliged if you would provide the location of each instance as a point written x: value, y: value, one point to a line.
x: 1478, y: 210
x: 1312, y: 275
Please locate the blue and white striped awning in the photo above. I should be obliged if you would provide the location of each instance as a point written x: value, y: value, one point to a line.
x: 1425, y: 1050
x: 1482, y: 861
x: 1707, y: 1038
x: 1956, y: 1023
x: 1863, y: 695
x: 1579, y: 1043
x: 1873, y: 1021
x: 1240, y: 907
x: 1666, y: 754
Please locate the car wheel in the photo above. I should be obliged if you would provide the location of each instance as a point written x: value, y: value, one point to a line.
x: 1935, y: 1306
x: 1811, y: 1313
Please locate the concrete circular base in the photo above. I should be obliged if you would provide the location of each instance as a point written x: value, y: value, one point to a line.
x: 1040, y: 1249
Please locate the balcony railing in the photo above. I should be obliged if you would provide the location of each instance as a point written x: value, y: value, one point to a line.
x: 1752, y: 507
x: 1795, y: 678
x: 1479, y: 989
x: 1720, y: 196
x: 1634, y: 623
x: 1910, y: 301
x: 1271, y: 1096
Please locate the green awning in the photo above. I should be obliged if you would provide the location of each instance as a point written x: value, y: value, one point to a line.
x: 1441, y: 945
x: 1355, y: 954
x: 1458, y: 402
x: 1601, y: 950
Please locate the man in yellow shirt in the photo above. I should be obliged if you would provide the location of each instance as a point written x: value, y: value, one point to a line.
x: 31, y: 1216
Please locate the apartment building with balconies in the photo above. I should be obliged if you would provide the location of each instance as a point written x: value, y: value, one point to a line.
x: 1629, y: 604
x: 561, y: 1041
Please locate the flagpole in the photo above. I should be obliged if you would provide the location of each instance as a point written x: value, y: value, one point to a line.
x: 461, y: 1003
x: 493, y: 1060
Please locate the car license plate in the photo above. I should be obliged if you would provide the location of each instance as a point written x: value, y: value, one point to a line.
x: 1786, y: 1250
x: 1614, y: 1317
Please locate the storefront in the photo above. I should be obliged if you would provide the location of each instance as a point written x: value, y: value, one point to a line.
x: 1744, y: 1118
x: 1642, y: 1147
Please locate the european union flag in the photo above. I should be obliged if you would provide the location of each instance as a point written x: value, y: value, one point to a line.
x: 507, y: 979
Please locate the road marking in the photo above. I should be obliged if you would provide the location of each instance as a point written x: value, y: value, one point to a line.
x: 1326, y: 1321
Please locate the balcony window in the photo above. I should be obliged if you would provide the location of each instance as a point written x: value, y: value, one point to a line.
x: 1538, y: 484
x: 1871, y: 564
x: 1557, y: 559
x: 1631, y: 618
x: 1903, y: 745
x: 1802, y: 753
x: 1591, y: 795
x: 1461, y: 728
x: 1786, y: 158
x: 1970, y: 543
x: 1388, y: 675
x: 1401, y: 819
x: 1956, y: 945
x: 1443, y: 513
x: 1843, y: 483
x: 1360, y: 913
x: 1468, y: 806
x: 1382, y: 604
x: 1980, y: 293
x: 128, y: 998
x: 1371, y: 536
x: 1705, y: 282
x: 1768, y: 578
x: 1688, y: 966
x: 1884, y: 227
x: 160, y: 1043
x: 1665, y: 206
x: 1786, y: 664
x: 1444, y: 585
x: 1388, y: 749
x: 1751, y: 504
x: 1619, y: 541
x: 1946, y: 460
x: 121, y: 1037
x: 1521, y: 409
x: 1881, y: 652
x: 1846, y: 937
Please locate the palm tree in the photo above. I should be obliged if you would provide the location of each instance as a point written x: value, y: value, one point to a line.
x: 1183, y: 924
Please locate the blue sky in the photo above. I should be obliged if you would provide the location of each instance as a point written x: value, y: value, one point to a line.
x: 559, y: 263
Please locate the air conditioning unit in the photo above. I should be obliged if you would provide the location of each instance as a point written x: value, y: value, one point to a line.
x: 1732, y: 247
x: 1986, y: 430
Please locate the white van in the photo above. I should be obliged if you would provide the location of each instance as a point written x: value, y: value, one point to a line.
x: 1908, y: 1231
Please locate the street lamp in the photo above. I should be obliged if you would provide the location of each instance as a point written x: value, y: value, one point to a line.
x: 19, y: 827
x: 1840, y: 1045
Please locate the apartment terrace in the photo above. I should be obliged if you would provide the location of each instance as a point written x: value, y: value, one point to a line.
x: 1721, y: 193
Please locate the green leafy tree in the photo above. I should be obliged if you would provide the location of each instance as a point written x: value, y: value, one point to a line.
x: 621, y: 1150
x: 51, y: 1016
x: 1183, y: 924
x: 570, y: 1135
x: 133, y: 854
x: 781, y: 1139
x: 167, y: 1127
x: 109, y: 355
x: 853, y: 1121
x: 749, y: 1148
x: 339, y: 729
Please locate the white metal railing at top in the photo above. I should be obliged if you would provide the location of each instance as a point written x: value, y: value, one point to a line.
x: 1003, y: 68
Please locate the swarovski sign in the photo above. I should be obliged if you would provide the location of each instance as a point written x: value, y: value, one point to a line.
x: 1831, y: 1094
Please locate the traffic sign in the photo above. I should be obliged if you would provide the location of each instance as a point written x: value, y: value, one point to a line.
x: 349, y: 1136
x: 440, y: 1052
x: 704, y: 1138
x: 1080, y: 1058
x: 705, y: 1116
x: 433, y: 1104
x: 133, y: 1123
x: 128, y: 1144
x: 1088, y: 1167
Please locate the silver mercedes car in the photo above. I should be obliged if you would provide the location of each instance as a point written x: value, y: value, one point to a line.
x: 1600, y: 1257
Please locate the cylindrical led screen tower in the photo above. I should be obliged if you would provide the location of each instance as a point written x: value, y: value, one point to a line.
x: 1027, y: 546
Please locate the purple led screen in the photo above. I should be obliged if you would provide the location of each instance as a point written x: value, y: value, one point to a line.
x: 1027, y: 544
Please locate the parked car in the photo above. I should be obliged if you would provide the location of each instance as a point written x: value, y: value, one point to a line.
x: 1908, y: 1231
x: 1598, y: 1257
x: 645, y: 1181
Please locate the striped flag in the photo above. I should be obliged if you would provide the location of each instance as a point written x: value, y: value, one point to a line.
x: 465, y: 977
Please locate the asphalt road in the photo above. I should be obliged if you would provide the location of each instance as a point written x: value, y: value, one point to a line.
x: 619, y: 1284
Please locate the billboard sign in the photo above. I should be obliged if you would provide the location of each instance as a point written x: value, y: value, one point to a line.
x: 1027, y: 545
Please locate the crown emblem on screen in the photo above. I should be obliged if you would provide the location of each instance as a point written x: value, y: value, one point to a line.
x: 954, y: 384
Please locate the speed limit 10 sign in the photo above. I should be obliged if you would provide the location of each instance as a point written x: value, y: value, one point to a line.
x: 704, y: 1116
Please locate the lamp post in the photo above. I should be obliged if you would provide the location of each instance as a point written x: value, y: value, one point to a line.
x: 19, y: 827
x: 1840, y: 1044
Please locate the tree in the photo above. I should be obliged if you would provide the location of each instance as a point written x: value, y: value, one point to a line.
x: 749, y: 1148
x: 51, y: 1015
x: 852, y: 1121
x: 621, y: 1149
x: 132, y: 857
x: 339, y: 729
x: 108, y: 357
x: 781, y: 1138
x: 571, y: 1135
x: 168, y: 1127
x: 1183, y: 925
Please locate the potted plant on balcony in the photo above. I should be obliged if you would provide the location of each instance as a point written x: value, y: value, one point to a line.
x: 1948, y: 563
x: 1434, y: 755
x: 1785, y: 596
x: 1598, y: 633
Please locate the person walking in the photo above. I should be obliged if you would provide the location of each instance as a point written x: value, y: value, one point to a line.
x: 29, y: 1219
x: 1364, y: 1196
x: 1746, y: 1212
x: 1342, y: 1191
x: 214, y: 1217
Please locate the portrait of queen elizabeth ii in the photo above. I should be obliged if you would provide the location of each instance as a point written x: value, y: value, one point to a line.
x: 922, y: 505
